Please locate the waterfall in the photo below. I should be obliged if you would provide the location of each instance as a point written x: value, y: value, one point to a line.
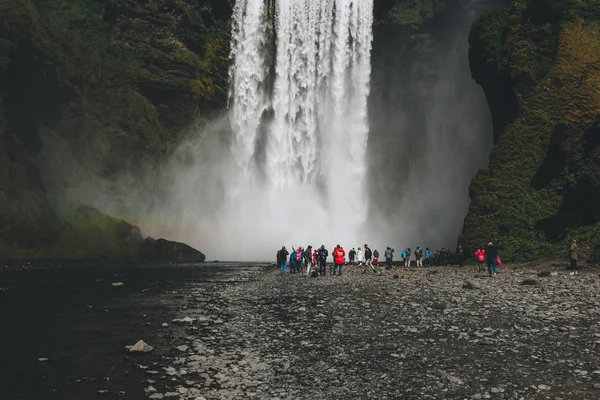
x: 300, y: 80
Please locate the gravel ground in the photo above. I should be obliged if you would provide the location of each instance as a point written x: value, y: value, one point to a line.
x: 416, y: 334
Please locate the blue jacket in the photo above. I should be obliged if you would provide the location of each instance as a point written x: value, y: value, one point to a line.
x: 293, y: 257
x: 428, y: 254
x: 404, y: 254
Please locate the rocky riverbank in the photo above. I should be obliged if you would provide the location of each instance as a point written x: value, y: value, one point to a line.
x: 399, y: 334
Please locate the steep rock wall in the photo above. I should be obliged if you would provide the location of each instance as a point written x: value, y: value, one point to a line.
x: 538, y: 62
x: 95, y: 89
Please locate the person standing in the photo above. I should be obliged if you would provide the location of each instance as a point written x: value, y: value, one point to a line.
x: 368, y: 256
x: 573, y: 258
x: 352, y: 256
x: 360, y: 257
x: 338, y: 255
x: 492, y: 258
x: 293, y: 261
x: 389, y: 254
x: 419, y: 256
x: 407, y: 258
x: 480, y: 255
x: 428, y: 256
x: 300, y: 260
x: 459, y: 254
x: 323, y: 254
x: 282, y: 259
x: 308, y: 256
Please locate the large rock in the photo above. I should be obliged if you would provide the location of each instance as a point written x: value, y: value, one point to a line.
x: 90, y: 233
x: 162, y: 250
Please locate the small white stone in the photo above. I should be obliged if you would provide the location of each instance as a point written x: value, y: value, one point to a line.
x: 141, y: 347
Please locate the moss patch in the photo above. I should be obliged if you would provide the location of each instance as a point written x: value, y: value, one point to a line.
x: 118, y: 82
x: 522, y: 199
x: 87, y: 234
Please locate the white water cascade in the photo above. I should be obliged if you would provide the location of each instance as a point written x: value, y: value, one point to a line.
x: 300, y: 80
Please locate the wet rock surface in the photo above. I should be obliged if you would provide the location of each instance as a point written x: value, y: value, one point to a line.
x: 420, y: 336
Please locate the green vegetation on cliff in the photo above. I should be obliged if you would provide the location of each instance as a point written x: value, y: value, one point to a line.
x: 103, y: 87
x: 541, y: 74
x: 404, y: 21
x: 407, y: 12
x: 414, y: 12
x: 85, y: 233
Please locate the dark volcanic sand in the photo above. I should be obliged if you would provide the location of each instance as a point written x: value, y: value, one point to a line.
x: 75, y: 316
x: 416, y: 335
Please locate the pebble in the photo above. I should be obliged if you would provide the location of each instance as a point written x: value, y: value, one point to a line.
x: 368, y: 336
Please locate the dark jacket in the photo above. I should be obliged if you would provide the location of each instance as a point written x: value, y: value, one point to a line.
x: 323, y: 254
x: 308, y: 254
x: 491, y: 253
x: 282, y: 256
x: 368, y: 253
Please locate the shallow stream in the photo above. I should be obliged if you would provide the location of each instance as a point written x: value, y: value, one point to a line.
x: 75, y: 317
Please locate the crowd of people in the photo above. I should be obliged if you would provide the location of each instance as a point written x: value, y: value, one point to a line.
x: 313, y: 262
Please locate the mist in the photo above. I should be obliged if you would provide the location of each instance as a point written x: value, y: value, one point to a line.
x: 431, y: 130
x: 380, y: 150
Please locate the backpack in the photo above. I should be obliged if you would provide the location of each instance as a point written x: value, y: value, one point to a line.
x: 376, y: 254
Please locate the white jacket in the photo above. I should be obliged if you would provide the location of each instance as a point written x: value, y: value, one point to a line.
x: 360, y: 257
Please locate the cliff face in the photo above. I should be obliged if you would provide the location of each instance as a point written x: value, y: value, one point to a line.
x: 96, y: 89
x: 538, y: 62
x: 99, y: 89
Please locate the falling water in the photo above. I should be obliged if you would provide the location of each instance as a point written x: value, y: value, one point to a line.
x: 298, y: 108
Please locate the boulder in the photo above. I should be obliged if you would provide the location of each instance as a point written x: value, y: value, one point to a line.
x: 162, y: 250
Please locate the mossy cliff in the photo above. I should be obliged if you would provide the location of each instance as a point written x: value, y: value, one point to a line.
x: 538, y: 62
x: 108, y: 85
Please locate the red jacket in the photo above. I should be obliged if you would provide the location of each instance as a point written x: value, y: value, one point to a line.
x: 339, y: 255
x: 480, y: 254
